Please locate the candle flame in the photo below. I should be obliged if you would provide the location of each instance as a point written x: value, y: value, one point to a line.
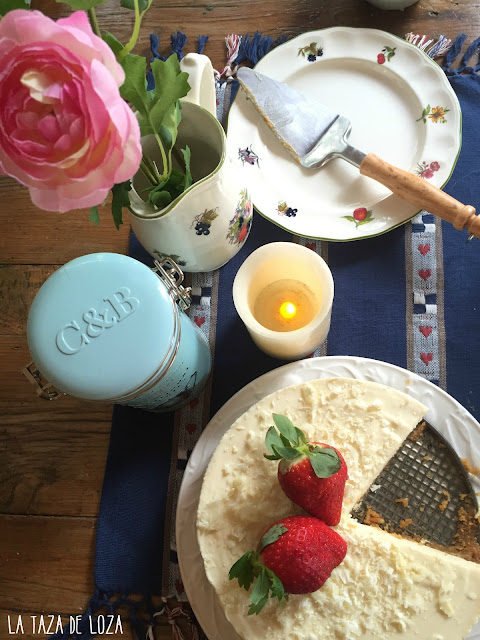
x: 288, y: 310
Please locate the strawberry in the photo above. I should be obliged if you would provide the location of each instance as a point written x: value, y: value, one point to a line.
x: 295, y: 555
x: 311, y: 474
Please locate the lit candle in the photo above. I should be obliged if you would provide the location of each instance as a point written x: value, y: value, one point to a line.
x: 283, y: 292
x: 285, y: 305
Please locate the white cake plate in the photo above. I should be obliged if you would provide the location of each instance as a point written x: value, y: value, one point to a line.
x: 447, y: 415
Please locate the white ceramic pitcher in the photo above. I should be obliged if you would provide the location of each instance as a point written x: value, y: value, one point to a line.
x: 207, y: 224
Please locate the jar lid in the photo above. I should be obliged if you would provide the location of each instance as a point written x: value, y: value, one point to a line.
x: 102, y: 326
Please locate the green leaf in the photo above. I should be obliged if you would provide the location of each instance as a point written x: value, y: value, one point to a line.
x: 187, y: 154
x: 160, y: 198
x: 243, y: 569
x: 171, y: 84
x: 169, y: 127
x: 176, y: 179
x: 272, y: 437
x: 115, y: 45
x: 82, y: 5
x: 351, y: 218
x: 129, y: 4
x: 302, y: 438
x: 260, y: 591
x: 120, y: 199
x: 277, y: 587
x: 134, y: 89
x: 286, y: 428
x: 325, y: 462
x: 94, y: 216
x: 272, y: 535
x: 10, y: 5
x: 289, y: 453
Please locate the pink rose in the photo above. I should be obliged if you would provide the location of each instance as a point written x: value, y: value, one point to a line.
x: 434, y: 166
x: 65, y: 131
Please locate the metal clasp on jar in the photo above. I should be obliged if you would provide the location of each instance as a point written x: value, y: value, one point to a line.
x: 171, y: 274
x: 43, y: 388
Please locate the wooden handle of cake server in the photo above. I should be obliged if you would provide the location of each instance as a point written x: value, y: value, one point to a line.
x: 421, y: 193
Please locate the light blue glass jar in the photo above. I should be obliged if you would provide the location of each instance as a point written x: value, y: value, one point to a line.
x: 106, y: 327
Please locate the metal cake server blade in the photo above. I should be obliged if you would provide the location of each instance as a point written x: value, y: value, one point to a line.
x: 314, y: 136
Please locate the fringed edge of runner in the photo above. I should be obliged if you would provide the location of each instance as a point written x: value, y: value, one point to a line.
x: 432, y: 47
x: 454, y: 52
x: 140, y: 614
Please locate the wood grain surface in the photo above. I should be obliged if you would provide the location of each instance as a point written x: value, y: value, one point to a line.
x: 52, y: 455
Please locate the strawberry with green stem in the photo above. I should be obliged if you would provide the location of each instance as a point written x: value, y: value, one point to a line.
x: 311, y: 474
x: 295, y: 555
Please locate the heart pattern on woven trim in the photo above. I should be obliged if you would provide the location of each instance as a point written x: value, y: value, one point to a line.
x: 311, y: 245
x: 426, y: 358
x: 179, y: 587
x: 424, y: 249
x: 190, y: 427
x: 194, y: 403
x: 425, y: 330
x: 199, y: 320
x: 425, y: 274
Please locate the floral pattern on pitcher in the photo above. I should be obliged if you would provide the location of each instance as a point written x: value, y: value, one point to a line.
x: 360, y: 216
x: 203, y: 221
x: 311, y: 52
x: 284, y: 210
x: 176, y: 258
x: 242, y: 220
x: 435, y: 114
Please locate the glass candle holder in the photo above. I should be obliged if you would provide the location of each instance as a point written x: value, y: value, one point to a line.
x: 283, y: 293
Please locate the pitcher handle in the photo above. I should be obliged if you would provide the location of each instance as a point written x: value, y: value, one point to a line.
x: 201, y: 81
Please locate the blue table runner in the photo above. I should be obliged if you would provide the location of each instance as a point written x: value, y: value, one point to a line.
x: 410, y: 297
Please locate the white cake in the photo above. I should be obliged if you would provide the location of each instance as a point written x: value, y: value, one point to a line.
x: 387, y: 587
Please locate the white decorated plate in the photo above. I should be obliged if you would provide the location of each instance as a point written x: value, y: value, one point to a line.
x: 401, y: 107
x: 445, y: 414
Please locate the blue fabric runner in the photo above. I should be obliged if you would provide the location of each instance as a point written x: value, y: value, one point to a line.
x: 462, y: 263
x: 369, y: 319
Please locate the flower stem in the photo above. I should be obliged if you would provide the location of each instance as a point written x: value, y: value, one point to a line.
x: 136, y: 30
x: 147, y: 173
x: 92, y: 17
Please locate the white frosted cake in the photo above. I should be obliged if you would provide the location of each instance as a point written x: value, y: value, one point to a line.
x: 386, y: 587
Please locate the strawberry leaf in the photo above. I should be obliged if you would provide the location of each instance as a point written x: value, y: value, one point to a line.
x: 243, y: 569
x: 272, y: 535
x: 260, y: 591
x: 277, y: 588
x: 289, y: 453
x: 325, y: 462
x: 286, y: 428
x: 301, y: 436
x: 273, y: 439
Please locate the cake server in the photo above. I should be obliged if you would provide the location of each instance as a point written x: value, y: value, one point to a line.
x: 314, y: 136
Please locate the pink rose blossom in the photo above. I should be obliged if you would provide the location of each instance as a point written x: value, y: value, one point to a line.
x: 434, y: 166
x: 65, y: 131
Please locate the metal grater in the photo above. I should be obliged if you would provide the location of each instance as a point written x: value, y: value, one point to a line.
x: 427, y: 471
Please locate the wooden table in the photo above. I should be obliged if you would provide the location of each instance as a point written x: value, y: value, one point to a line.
x: 52, y: 455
